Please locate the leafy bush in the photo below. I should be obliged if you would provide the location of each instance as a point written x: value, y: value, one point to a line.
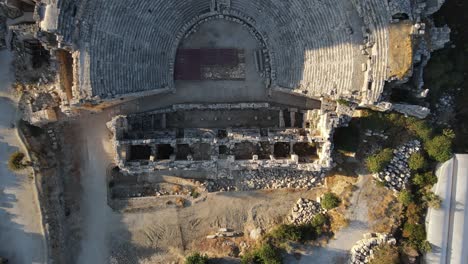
x: 416, y: 233
x: 417, y: 161
x: 196, y: 258
x: 432, y: 199
x: 15, y: 162
x: 439, y: 148
x: 386, y: 254
x: 425, y: 179
x: 343, y: 102
x: 330, y: 201
x: 284, y: 233
x: 405, y: 197
x: 420, y: 128
x: 413, y: 213
x: 265, y: 254
x: 379, y: 161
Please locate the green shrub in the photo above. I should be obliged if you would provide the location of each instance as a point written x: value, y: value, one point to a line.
x: 343, y: 102
x: 420, y: 128
x: 425, y: 179
x: 417, y: 161
x: 285, y: 232
x: 194, y: 194
x: 405, y: 197
x: 439, y: 148
x: 330, y: 201
x: 432, y: 199
x: 386, y: 254
x: 196, y: 258
x: 15, y: 162
x: 265, y: 254
x: 379, y: 161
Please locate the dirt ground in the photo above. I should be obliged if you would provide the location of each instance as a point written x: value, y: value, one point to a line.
x: 401, y: 49
x: 21, y: 235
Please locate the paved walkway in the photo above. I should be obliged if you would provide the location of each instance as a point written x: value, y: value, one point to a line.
x: 21, y: 235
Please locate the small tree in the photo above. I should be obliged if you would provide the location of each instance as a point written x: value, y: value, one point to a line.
x: 425, y: 179
x: 417, y: 161
x: 15, y: 161
x: 439, y: 148
x: 265, y: 254
x: 330, y: 201
x: 420, y: 128
x: 196, y: 258
x: 405, y: 197
x: 386, y: 254
x: 432, y: 199
x: 379, y: 161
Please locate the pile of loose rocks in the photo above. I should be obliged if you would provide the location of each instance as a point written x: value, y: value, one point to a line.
x: 244, y: 180
x: 395, y: 176
x: 280, y: 178
x: 363, y: 250
x: 304, y: 211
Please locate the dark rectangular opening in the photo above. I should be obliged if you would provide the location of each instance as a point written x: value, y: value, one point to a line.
x: 223, y: 150
x: 201, y: 151
x: 222, y: 133
x: 244, y: 150
x: 264, y: 150
x: 164, y: 151
x: 183, y: 150
x: 281, y: 150
x: 306, y: 151
x: 140, y: 152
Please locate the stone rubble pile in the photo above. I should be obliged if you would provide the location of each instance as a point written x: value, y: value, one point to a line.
x: 280, y: 178
x: 363, y: 251
x: 304, y: 211
x: 396, y: 174
x: 225, y: 232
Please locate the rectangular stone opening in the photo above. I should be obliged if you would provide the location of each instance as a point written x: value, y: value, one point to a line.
x: 223, y: 150
x: 201, y: 151
x: 164, y: 151
x: 281, y: 150
x: 222, y: 133
x: 183, y: 150
x: 306, y: 151
x: 264, y: 150
x: 244, y: 150
x: 140, y: 152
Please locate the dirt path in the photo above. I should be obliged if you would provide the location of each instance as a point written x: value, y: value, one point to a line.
x: 98, y: 219
x: 21, y: 235
x: 336, y: 251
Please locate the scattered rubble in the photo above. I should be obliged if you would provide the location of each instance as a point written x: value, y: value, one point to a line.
x: 304, y: 211
x: 396, y: 174
x: 363, y: 251
x: 412, y: 110
x: 225, y: 232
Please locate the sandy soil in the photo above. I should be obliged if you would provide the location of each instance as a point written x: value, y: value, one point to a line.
x: 336, y: 251
x: 21, y: 234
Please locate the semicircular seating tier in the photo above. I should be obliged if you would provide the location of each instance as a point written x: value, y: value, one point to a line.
x: 315, y: 47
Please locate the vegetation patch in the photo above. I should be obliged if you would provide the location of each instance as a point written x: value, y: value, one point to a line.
x: 15, y: 162
x: 330, y: 201
x: 379, y: 161
x: 196, y: 258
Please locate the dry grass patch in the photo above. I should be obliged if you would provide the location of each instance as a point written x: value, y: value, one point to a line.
x: 401, y: 49
x: 384, y: 209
